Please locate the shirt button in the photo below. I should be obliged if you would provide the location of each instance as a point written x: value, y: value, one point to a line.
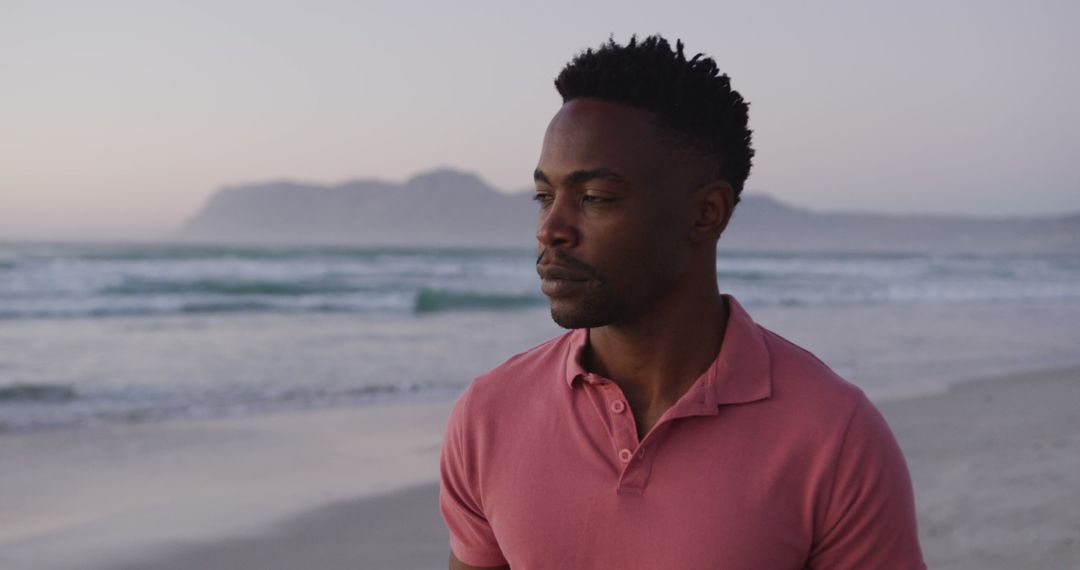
x: 618, y: 406
x: 625, y: 455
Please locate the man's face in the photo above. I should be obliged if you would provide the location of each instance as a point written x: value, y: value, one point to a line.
x: 613, y: 214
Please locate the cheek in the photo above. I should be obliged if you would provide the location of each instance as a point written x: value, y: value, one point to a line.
x: 639, y: 249
x: 658, y: 258
x: 637, y: 263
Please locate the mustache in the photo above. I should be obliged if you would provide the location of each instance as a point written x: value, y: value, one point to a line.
x: 572, y: 262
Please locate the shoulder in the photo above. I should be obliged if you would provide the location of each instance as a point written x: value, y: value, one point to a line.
x: 797, y: 371
x: 547, y: 358
x: 519, y: 381
x: 807, y: 392
x: 838, y: 423
x: 832, y: 416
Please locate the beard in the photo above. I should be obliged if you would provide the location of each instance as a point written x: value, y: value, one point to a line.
x: 598, y: 307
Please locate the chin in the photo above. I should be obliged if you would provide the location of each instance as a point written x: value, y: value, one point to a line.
x: 581, y: 315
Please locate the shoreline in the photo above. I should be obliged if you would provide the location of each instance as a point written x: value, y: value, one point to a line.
x: 352, y: 362
x: 991, y: 461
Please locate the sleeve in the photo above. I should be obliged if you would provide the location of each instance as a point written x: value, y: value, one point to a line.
x: 460, y: 500
x: 869, y: 517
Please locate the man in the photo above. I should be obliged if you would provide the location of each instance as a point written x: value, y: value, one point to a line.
x: 666, y: 430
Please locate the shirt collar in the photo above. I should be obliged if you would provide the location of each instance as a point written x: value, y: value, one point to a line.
x: 741, y: 372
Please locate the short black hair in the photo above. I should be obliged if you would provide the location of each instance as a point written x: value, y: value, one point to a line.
x: 689, y: 98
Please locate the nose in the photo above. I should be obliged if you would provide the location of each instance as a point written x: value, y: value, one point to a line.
x: 558, y: 223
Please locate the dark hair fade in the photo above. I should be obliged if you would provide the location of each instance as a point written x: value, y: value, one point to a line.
x: 690, y: 98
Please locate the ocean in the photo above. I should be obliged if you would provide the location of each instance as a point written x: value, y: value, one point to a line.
x: 94, y: 334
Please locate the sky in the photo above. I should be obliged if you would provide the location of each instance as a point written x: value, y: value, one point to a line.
x: 119, y: 118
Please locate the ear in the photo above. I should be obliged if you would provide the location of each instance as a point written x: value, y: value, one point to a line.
x: 712, y: 205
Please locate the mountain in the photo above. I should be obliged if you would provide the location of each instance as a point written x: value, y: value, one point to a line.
x: 440, y: 207
x: 447, y: 207
x: 762, y: 223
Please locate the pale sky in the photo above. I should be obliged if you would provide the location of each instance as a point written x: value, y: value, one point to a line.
x: 123, y: 117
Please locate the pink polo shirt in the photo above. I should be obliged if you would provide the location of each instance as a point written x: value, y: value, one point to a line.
x: 769, y: 461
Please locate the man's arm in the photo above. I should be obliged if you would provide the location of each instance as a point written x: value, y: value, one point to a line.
x: 869, y: 519
x: 456, y: 564
x: 460, y: 496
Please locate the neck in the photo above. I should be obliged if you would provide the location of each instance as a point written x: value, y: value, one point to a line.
x: 658, y: 355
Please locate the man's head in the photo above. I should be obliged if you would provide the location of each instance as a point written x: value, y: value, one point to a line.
x: 639, y: 172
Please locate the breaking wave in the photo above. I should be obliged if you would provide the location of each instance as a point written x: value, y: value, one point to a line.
x: 31, y: 392
x: 433, y: 300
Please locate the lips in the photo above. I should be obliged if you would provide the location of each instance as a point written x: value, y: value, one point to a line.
x: 560, y: 281
x: 559, y: 272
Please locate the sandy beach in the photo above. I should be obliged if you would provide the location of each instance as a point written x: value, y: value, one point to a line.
x: 993, y: 463
x: 994, y: 466
x: 95, y: 498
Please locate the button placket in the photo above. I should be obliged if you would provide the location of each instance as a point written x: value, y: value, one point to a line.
x: 625, y: 432
x: 636, y: 471
x: 635, y: 476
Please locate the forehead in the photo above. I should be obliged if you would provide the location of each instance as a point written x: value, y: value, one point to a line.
x: 588, y: 133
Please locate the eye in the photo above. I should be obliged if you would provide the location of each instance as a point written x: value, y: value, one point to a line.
x: 588, y: 198
x: 542, y: 198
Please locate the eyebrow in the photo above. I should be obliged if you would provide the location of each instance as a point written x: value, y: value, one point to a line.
x: 582, y: 176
